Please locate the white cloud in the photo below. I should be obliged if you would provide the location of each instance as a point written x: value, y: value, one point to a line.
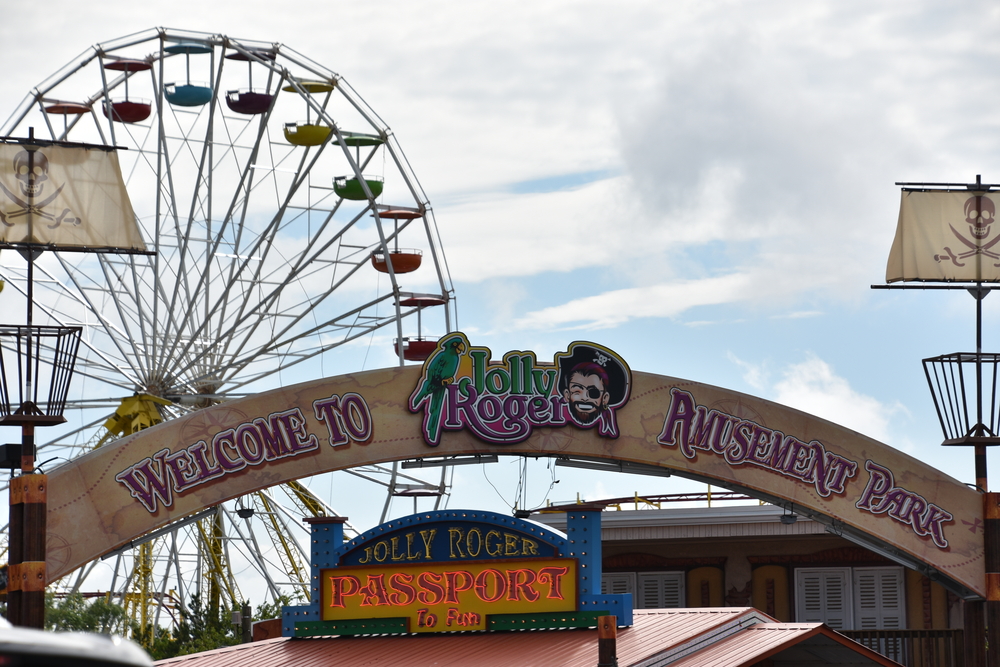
x: 503, y: 235
x: 619, y: 306
x: 757, y: 141
x: 812, y: 386
x: 755, y: 375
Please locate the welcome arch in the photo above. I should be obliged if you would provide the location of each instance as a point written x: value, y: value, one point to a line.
x: 864, y: 490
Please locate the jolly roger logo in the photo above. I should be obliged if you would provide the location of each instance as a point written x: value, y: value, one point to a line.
x: 502, y: 403
x: 980, y: 213
x: 35, y: 193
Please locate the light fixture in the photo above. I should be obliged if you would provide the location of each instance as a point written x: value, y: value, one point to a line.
x: 614, y: 466
x: 451, y: 461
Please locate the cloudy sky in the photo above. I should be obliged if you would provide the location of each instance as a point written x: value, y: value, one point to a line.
x: 706, y: 187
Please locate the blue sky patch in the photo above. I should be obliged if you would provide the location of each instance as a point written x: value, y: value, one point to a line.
x: 561, y: 182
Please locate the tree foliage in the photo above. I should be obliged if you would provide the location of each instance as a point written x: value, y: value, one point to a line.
x: 199, y: 628
x: 75, y: 614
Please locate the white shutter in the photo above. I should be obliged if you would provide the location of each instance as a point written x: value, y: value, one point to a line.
x: 879, y: 602
x: 821, y: 596
x: 660, y: 590
x: 616, y: 583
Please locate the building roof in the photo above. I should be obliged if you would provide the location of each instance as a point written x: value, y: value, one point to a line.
x: 742, y: 521
x: 784, y: 644
x: 658, y: 637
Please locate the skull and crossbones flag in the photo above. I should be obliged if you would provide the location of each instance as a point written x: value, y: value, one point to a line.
x: 68, y: 197
x: 945, y: 236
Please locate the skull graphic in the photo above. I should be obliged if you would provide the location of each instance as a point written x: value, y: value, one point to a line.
x: 979, y: 213
x: 31, y: 173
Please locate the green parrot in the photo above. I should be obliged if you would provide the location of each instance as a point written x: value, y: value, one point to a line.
x: 439, y: 372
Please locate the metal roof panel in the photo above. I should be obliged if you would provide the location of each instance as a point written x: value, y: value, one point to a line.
x: 727, y: 636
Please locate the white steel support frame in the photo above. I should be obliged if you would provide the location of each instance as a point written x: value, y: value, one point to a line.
x: 259, y: 267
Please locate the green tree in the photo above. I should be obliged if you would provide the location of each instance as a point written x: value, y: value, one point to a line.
x: 198, y: 630
x: 74, y: 613
x: 268, y: 610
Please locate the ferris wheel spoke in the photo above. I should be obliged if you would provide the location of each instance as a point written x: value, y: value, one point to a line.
x: 304, y: 259
x: 79, y: 296
x: 290, y: 359
x: 166, y: 196
x: 263, y: 245
x: 284, y: 336
x: 264, y: 241
x: 117, y: 332
x: 122, y: 302
x: 60, y: 441
x: 204, y: 280
x: 67, y: 320
x: 258, y: 560
x: 293, y: 318
x: 146, y: 317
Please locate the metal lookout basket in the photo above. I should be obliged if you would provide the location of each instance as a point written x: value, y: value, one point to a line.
x: 36, y: 366
x: 962, y: 383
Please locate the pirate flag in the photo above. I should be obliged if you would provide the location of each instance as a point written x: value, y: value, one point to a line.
x: 65, y: 197
x: 945, y: 235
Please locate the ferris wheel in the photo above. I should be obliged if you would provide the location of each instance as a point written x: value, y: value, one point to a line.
x: 285, y: 220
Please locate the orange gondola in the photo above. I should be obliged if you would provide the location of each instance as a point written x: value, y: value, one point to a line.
x: 423, y: 301
x: 403, y: 261
x: 67, y: 109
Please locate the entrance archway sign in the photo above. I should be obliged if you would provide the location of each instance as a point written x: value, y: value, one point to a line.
x: 585, y: 403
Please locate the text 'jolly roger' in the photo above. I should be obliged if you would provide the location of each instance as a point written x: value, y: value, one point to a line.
x: 35, y: 193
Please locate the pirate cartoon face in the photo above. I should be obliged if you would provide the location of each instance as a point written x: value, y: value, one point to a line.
x: 594, y: 382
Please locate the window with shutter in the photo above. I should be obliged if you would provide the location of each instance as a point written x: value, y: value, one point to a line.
x: 878, y: 598
x: 822, y: 596
x: 879, y: 605
x: 617, y: 583
x: 650, y: 590
x: 863, y: 598
x: 660, y: 590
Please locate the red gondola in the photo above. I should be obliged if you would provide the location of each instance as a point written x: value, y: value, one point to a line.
x: 127, y: 110
x: 416, y: 349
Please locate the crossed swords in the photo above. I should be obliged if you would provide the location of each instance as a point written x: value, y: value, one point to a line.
x: 36, y: 209
x: 976, y: 250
